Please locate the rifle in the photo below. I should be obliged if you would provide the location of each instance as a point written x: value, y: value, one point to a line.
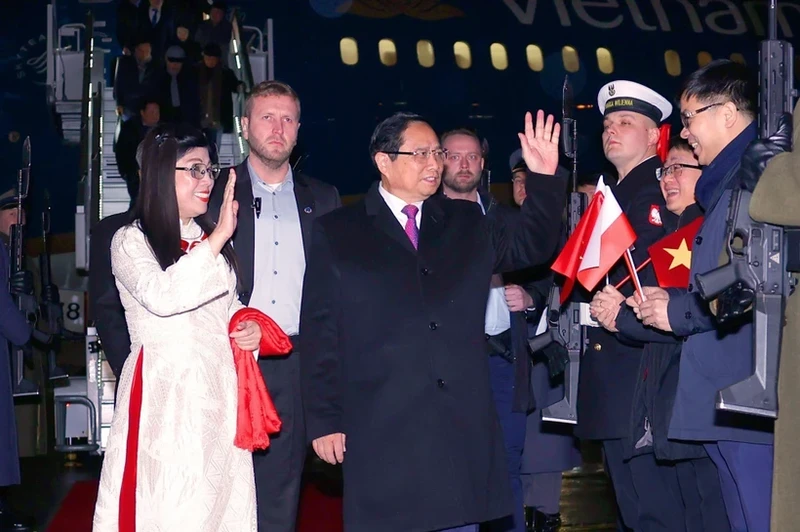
x: 52, y: 311
x: 26, y: 303
x: 756, y: 276
x: 564, y: 341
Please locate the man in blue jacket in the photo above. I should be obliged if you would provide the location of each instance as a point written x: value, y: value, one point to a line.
x: 718, y: 112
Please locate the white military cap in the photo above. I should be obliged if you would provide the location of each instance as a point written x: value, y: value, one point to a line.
x: 623, y: 95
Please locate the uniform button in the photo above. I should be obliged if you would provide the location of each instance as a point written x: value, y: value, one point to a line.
x: 440, y: 383
x: 597, y: 347
x: 425, y: 271
x: 275, y: 216
x: 433, y: 325
x: 691, y: 287
x: 698, y: 240
x: 688, y: 315
x: 276, y: 243
x: 273, y: 301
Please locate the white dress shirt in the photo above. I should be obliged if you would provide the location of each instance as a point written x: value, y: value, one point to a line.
x: 396, y: 206
x: 498, y: 317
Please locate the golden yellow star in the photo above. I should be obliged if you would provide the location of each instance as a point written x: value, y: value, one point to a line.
x: 681, y: 256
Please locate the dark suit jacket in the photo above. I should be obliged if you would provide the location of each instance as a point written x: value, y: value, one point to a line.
x: 394, y: 354
x: 105, y: 307
x: 314, y: 198
x: 610, y: 367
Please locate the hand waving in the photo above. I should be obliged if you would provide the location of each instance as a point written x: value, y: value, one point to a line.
x: 228, y: 212
x: 540, y: 145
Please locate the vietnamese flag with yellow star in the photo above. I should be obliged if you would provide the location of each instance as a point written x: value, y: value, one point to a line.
x: 672, y: 256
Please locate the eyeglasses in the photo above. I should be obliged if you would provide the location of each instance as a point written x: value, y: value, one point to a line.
x: 661, y: 173
x: 421, y: 156
x: 685, y: 116
x: 199, y: 171
x: 456, y: 157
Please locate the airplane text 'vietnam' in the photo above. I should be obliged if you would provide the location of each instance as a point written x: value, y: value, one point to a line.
x: 719, y: 16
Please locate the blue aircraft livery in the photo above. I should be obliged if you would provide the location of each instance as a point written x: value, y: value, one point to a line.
x: 478, y: 63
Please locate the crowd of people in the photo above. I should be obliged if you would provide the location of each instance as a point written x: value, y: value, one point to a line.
x: 409, y: 314
x: 173, y: 70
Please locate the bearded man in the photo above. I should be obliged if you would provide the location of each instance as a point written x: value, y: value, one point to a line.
x: 277, y: 210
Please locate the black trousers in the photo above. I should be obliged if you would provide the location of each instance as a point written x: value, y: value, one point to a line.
x: 648, y: 493
x: 278, y: 470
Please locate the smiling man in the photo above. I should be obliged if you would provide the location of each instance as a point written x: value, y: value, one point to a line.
x: 277, y: 209
x: 718, y: 113
x: 395, y: 373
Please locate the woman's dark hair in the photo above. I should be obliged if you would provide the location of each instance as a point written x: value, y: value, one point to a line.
x: 156, y: 207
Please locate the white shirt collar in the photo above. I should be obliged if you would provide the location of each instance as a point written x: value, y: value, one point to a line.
x: 396, y: 205
x: 256, y: 180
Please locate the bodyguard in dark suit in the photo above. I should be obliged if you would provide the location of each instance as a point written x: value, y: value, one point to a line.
x: 277, y: 209
x: 395, y: 368
x: 718, y: 111
x: 609, y: 368
x: 105, y: 307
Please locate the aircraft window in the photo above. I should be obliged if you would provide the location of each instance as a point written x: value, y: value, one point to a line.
x: 569, y: 56
x: 425, y: 53
x: 463, y: 54
x: 535, y: 58
x: 673, y: 63
x: 499, y: 56
x: 387, y: 52
x: 738, y: 58
x: 348, y: 48
x: 703, y: 58
x: 605, y: 62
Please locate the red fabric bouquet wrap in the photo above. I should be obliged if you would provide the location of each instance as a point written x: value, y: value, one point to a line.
x: 256, y: 417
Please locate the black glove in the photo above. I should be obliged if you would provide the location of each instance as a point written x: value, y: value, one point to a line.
x: 760, y: 151
x: 734, y: 301
x: 557, y: 359
x: 21, y: 283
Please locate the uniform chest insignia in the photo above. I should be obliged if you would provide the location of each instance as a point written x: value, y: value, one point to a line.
x: 655, y: 215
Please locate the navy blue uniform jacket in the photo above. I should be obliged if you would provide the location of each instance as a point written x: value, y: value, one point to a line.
x: 609, y: 368
x: 14, y: 328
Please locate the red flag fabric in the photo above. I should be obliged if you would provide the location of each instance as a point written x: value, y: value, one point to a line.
x: 600, y: 239
x: 256, y: 417
x: 672, y: 256
x: 569, y: 260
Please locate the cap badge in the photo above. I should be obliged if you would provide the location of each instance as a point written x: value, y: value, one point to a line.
x: 611, y: 91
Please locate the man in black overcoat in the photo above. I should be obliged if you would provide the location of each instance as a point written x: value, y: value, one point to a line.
x: 395, y: 370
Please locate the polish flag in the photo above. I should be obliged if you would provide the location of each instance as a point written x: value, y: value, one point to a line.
x: 600, y: 239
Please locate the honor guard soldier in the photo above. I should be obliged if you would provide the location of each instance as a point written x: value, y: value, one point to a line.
x: 14, y: 330
x: 632, y: 114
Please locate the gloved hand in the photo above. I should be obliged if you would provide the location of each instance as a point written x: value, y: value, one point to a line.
x: 734, y: 302
x: 760, y: 151
x: 21, y: 283
x: 557, y: 358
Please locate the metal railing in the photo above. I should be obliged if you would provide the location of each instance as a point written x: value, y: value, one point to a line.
x: 241, y: 66
x: 88, y: 205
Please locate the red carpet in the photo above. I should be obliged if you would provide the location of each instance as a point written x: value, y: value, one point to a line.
x: 318, y: 512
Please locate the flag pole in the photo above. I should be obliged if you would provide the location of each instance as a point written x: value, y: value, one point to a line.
x: 638, y: 269
x: 634, y: 273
